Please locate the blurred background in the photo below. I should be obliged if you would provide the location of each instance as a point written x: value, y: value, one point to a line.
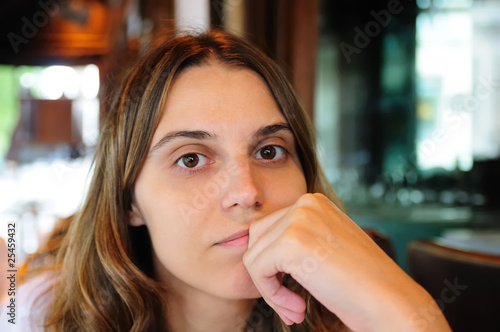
x: 404, y: 95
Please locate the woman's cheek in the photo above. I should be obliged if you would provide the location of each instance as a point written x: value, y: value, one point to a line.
x: 287, y: 187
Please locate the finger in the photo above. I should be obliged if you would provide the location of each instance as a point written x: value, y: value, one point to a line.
x: 285, y: 319
x: 269, y: 238
x: 287, y: 304
x: 265, y: 273
x: 261, y: 226
x: 278, y: 295
x: 289, y: 316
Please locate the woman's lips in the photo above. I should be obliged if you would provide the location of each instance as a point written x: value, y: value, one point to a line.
x: 236, y: 240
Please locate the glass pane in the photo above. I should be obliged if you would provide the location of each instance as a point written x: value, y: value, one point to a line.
x: 444, y: 70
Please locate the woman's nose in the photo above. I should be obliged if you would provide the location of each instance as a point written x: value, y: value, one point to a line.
x: 243, y: 189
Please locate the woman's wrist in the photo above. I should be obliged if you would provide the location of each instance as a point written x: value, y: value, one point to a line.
x: 410, y: 309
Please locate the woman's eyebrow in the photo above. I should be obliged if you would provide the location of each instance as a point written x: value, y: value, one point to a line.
x: 271, y: 129
x: 194, y: 134
x: 203, y: 135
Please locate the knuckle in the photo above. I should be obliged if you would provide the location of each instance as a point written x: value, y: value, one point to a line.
x: 247, y: 259
x: 312, y: 199
x: 295, y: 235
x: 305, y: 199
x: 299, y: 213
x: 320, y: 197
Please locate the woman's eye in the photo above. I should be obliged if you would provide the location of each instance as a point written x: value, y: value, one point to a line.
x: 192, y: 160
x: 270, y: 152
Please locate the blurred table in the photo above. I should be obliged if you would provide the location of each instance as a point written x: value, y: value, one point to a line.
x: 484, y: 241
x: 406, y: 224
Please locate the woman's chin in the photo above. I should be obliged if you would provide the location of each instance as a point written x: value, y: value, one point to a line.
x: 251, y: 293
x: 243, y: 287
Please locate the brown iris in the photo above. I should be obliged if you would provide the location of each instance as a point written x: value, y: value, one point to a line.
x: 268, y: 152
x: 190, y: 160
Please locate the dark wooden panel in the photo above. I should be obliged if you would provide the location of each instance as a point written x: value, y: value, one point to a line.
x: 53, y: 121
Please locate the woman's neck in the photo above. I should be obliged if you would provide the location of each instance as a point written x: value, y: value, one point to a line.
x: 195, y: 312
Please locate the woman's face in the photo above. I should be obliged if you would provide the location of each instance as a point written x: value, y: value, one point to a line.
x: 221, y: 158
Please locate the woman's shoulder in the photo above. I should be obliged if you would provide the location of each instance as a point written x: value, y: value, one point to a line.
x: 26, y: 305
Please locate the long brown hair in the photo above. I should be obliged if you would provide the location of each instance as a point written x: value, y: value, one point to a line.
x: 106, y: 281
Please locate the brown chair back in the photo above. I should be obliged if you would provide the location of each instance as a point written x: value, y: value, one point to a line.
x: 465, y: 285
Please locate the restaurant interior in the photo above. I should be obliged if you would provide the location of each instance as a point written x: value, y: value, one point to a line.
x: 404, y: 97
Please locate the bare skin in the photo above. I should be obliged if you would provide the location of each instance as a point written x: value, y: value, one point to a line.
x: 224, y: 198
x: 330, y: 256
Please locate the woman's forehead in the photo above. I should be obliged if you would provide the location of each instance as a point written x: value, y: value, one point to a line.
x: 214, y: 72
x: 217, y: 92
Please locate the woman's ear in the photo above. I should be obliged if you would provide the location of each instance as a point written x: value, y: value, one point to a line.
x: 135, y: 217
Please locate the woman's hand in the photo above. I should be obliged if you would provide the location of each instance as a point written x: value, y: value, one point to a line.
x: 332, y: 258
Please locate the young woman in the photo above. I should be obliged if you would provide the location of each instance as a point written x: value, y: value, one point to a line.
x: 208, y: 211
